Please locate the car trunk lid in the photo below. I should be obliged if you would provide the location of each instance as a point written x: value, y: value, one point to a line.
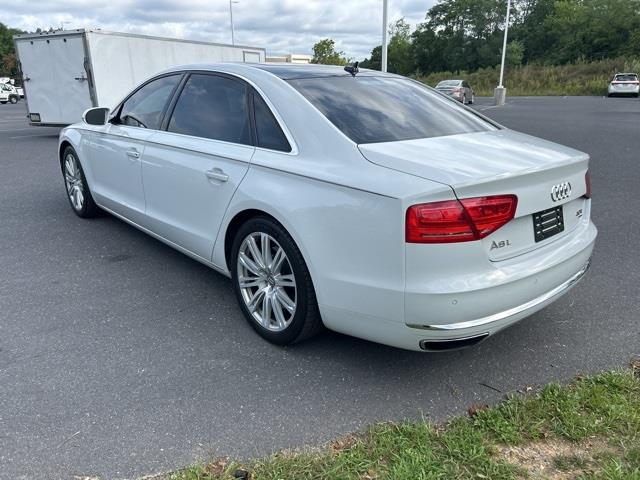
x: 498, y: 163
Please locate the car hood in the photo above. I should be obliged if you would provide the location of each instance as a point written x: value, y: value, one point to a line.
x: 471, y: 158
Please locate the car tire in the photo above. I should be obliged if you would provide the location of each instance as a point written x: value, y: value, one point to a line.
x: 4, y: 102
x: 473, y: 99
x: 274, y: 289
x: 13, y: 99
x: 76, y: 186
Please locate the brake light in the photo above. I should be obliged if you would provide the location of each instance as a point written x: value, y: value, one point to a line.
x: 458, y: 220
x: 587, y: 181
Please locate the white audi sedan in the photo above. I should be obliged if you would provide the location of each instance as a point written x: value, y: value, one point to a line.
x: 363, y: 202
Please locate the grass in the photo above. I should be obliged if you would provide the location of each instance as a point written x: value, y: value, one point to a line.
x: 589, y: 429
x: 587, y: 78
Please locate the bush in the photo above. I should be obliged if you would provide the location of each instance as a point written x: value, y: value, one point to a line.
x: 572, y: 79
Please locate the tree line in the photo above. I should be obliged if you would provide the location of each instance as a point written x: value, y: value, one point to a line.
x: 467, y: 35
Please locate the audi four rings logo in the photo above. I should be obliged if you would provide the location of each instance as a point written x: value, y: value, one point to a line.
x: 560, y: 191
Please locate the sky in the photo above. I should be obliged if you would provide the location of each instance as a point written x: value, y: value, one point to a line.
x: 280, y: 26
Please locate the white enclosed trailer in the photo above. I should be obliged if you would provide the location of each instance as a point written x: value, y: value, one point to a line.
x: 66, y: 72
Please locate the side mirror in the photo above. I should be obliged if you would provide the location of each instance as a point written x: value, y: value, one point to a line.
x: 96, y: 116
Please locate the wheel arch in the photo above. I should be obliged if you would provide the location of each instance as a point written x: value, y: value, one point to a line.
x: 244, y: 215
x: 61, y: 148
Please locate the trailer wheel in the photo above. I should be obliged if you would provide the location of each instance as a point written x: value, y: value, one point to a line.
x: 14, y: 99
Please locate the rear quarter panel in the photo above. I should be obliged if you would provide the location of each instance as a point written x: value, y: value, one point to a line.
x: 352, y: 240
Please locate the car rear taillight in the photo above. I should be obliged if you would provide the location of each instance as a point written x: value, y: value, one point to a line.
x: 458, y: 220
x: 587, y: 181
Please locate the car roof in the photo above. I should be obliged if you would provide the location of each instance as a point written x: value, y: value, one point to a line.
x: 285, y: 71
x: 290, y: 71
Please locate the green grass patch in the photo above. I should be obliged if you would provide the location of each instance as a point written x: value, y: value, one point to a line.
x: 589, y: 428
x: 588, y: 78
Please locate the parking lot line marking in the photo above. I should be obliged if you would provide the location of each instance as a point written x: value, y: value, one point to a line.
x: 17, y: 130
x: 32, y: 136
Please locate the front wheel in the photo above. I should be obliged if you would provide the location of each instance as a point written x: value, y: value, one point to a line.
x: 473, y: 99
x: 272, y: 283
x: 13, y: 99
x: 75, y: 183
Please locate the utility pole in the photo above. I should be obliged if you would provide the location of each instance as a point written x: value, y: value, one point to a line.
x: 231, y: 2
x: 385, y: 6
x: 500, y: 93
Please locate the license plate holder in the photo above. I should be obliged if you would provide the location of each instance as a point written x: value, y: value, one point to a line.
x: 548, y: 223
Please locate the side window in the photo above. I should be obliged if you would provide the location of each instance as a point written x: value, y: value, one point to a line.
x: 268, y: 132
x: 213, y: 106
x: 145, y: 107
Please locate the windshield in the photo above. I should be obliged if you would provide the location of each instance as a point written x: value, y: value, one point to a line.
x: 371, y: 109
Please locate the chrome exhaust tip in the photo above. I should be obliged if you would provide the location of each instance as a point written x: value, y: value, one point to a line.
x: 451, y: 344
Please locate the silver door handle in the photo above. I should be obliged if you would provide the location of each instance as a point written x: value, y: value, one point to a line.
x: 216, y: 174
x: 133, y: 154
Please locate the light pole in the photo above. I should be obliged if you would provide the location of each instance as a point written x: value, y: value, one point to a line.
x: 231, y: 2
x: 500, y: 93
x: 383, y: 65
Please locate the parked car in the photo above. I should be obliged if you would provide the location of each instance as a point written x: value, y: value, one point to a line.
x: 458, y: 89
x: 624, y: 84
x: 8, y: 93
x: 364, y: 202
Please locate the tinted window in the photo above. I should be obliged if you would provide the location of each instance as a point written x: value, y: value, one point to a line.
x: 145, y: 107
x: 449, y: 83
x: 212, y: 106
x: 384, y: 109
x: 626, y: 78
x: 269, y: 133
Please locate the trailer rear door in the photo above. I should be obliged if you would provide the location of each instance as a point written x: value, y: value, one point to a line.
x: 56, y: 84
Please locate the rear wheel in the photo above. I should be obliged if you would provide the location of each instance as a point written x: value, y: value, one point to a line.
x: 75, y: 183
x: 272, y: 283
x: 473, y: 99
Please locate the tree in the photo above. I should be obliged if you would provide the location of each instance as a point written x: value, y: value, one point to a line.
x: 324, y: 52
x: 399, y: 53
x: 8, y: 62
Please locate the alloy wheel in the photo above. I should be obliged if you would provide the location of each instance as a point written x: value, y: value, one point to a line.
x: 267, y: 282
x: 73, y: 182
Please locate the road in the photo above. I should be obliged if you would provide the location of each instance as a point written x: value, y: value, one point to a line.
x: 121, y: 357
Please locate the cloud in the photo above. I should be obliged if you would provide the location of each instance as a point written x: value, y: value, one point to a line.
x: 281, y: 26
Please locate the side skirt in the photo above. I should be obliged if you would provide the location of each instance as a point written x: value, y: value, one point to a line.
x: 188, y: 253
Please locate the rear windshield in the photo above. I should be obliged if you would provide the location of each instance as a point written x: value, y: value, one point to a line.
x: 370, y: 109
x: 448, y: 83
x: 626, y: 78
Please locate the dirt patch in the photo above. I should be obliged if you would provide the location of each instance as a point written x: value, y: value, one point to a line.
x: 555, y: 458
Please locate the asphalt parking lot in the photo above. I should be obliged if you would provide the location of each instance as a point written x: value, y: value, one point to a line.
x: 120, y: 356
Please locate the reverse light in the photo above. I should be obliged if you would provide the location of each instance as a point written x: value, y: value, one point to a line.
x: 587, y: 181
x: 458, y: 220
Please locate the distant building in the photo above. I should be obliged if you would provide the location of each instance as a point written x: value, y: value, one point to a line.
x: 291, y: 58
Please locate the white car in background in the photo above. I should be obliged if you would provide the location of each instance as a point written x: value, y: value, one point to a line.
x: 624, y: 84
x: 364, y: 202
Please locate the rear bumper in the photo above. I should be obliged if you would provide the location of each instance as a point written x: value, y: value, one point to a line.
x: 615, y: 90
x: 512, y: 314
x: 520, y: 287
x: 470, y: 305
